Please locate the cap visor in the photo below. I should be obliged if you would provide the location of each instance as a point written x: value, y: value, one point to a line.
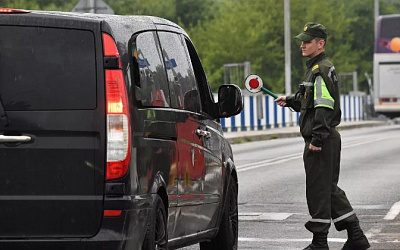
x: 304, y: 37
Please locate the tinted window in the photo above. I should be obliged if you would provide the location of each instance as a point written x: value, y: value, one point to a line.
x: 47, y: 68
x: 388, y: 29
x: 206, y: 97
x: 184, y: 91
x: 152, y: 79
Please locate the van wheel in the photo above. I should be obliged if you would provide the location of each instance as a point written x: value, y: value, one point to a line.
x: 156, y: 234
x: 227, y: 237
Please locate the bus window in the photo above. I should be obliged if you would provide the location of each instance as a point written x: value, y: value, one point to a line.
x: 388, y: 32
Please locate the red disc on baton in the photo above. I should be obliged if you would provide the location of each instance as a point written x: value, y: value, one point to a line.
x: 254, y: 83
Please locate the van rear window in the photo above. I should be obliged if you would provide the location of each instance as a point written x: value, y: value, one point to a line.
x: 47, y: 68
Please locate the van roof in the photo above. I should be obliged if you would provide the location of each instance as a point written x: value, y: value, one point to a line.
x: 137, y: 22
x: 109, y: 18
x: 121, y: 27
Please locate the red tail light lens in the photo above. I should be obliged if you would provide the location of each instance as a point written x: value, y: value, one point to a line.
x: 117, y: 101
x: 118, y: 120
x: 112, y: 213
x: 109, y: 46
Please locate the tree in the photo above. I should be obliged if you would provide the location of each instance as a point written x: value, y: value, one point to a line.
x: 59, y: 5
x: 253, y: 31
x: 242, y: 31
x: 333, y: 14
x: 234, y: 31
x: 164, y: 8
x: 185, y: 12
x: 191, y: 12
x: 388, y: 7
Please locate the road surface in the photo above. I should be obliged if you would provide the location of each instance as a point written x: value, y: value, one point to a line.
x: 272, y: 205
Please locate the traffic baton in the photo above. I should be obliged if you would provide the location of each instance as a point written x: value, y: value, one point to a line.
x: 254, y: 84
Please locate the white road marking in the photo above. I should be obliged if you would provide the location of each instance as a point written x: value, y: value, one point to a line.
x: 339, y: 240
x: 287, y: 240
x: 370, y: 207
x: 269, y: 162
x: 373, y: 231
x: 289, y: 157
x: 366, y: 142
x: 393, y: 212
x: 263, y: 216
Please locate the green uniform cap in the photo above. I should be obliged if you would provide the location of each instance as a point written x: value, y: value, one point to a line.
x: 311, y: 31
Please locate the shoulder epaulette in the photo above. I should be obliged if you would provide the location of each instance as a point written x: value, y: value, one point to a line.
x: 315, y: 69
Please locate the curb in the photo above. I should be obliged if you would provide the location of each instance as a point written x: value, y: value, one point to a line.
x: 243, y: 137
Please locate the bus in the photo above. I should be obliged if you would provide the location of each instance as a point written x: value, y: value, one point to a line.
x: 387, y: 66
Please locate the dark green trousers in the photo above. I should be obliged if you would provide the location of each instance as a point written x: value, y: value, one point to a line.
x: 326, y: 201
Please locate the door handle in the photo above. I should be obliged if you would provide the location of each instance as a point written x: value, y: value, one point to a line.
x: 15, y: 138
x: 203, y: 133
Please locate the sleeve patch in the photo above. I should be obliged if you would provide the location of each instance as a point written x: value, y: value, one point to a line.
x: 315, y: 68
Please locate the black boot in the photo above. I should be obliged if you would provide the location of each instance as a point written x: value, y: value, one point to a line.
x: 319, y: 242
x: 356, y: 238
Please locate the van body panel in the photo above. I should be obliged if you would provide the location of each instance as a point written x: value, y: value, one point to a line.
x: 53, y: 93
x: 52, y: 187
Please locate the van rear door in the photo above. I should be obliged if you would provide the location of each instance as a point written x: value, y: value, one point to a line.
x: 52, y: 149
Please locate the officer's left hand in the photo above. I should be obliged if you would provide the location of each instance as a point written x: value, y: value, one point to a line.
x: 313, y: 148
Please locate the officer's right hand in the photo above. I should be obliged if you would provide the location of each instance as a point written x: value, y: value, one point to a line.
x: 314, y: 149
x: 281, y: 101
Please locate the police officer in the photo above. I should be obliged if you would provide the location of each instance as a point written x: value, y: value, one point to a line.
x: 318, y: 101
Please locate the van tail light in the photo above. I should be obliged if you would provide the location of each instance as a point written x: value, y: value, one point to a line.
x: 112, y: 213
x: 118, y: 120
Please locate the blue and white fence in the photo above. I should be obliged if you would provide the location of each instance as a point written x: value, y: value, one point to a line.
x: 261, y: 112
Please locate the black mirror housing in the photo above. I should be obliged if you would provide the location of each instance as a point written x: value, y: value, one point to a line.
x: 230, y: 100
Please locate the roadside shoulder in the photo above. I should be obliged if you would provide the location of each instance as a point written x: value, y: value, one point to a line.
x: 286, y: 132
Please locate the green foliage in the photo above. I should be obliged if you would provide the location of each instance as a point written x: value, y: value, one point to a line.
x: 185, y: 12
x: 238, y: 33
x: 235, y: 31
x: 60, y: 5
x: 340, y: 37
x: 388, y: 7
x: 191, y: 12
x: 163, y: 8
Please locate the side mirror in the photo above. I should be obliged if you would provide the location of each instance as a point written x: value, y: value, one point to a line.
x: 230, y: 100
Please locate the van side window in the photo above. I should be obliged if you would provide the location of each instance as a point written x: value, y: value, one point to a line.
x: 206, y: 96
x: 183, y: 85
x: 148, y: 71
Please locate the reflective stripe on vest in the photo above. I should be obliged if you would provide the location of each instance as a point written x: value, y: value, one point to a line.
x: 322, y: 98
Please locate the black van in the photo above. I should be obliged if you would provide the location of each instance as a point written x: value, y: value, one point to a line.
x: 110, y: 136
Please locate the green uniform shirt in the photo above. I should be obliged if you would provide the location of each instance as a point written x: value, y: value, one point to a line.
x: 318, y: 100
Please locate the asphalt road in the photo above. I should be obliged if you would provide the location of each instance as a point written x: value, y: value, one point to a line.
x: 272, y: 205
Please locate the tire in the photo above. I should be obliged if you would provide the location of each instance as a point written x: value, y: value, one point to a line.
x: 227, y: 237
x: 156, y: 234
